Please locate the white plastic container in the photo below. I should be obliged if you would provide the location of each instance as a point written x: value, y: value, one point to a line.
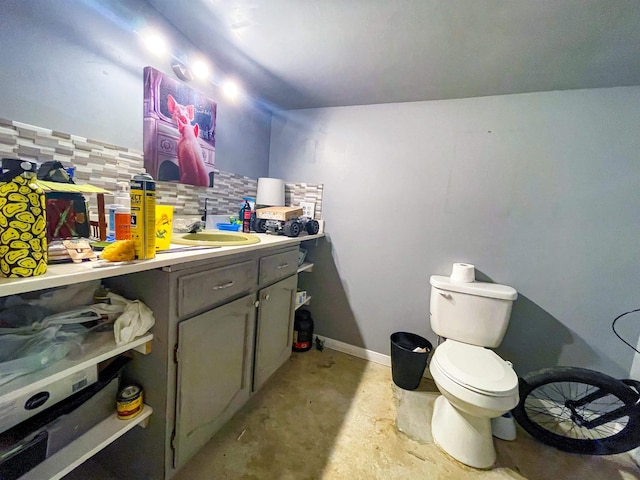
x: 121, y: 202
x: 122, y: 196
x: 504, y: 427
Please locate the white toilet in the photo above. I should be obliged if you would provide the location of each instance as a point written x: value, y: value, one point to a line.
x: 476, y: 384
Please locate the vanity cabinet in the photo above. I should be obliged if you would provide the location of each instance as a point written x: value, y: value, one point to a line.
x: 223, y: 327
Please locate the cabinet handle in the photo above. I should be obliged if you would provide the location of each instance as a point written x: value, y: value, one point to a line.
x: 280, y: 267
x: 226, y: 285
x: 265, y: 296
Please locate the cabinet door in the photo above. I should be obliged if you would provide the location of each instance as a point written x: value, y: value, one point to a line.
x: 274, y: 328
x: 214, y: 372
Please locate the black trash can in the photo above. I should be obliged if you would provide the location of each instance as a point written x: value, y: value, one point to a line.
x: 408, y: 366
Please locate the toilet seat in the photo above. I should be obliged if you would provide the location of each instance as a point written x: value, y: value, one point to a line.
x: 475, y: 368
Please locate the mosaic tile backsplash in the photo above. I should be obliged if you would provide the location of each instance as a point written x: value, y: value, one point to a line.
x: 102, y: 164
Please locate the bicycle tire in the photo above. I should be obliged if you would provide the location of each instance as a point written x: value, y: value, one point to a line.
x: 541, y: 413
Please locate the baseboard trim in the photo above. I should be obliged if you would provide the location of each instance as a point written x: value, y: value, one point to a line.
x: 359, y: 352
x: 363, y: 353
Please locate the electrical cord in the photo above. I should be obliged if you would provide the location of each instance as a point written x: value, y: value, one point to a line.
x: 613, y: 327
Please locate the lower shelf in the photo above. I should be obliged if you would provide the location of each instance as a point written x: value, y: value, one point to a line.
x: 86, y: 446
x: 306, y: 302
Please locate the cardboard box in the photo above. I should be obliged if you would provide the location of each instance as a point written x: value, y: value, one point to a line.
x: 302, y: 254
x: 278, y: 213
x: 301, y: 297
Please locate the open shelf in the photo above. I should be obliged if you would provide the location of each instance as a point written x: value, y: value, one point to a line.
x: 306, y: 302
x: 84, y: 447
x: 95, y: 349
x: 305, y: 267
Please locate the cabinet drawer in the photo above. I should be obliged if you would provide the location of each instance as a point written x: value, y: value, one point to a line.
x: 280, y: 265
x: 198, y: 291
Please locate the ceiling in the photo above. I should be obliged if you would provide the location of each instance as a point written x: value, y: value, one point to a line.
x: 317, y: 53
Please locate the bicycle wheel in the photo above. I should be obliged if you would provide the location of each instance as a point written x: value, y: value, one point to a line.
x: 559, y: 407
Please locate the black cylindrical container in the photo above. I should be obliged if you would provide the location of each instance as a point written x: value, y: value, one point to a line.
x: 407, y: 366
x: 302, y: 331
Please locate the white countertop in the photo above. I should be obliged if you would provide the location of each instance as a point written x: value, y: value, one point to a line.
x: 71, y: 273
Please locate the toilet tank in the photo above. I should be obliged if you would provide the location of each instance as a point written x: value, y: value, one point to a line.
x: 477, y: 313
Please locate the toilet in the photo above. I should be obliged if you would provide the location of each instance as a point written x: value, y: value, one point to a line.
x: 476, y: 385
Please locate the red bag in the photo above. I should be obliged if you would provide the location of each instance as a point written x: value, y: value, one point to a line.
x: 66, y: 216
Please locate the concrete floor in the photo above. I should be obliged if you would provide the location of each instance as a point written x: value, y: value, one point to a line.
x: 327, y: 415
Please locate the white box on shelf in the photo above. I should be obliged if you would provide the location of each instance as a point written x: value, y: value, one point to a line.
x: 301, y: 297
x: 33, y: 400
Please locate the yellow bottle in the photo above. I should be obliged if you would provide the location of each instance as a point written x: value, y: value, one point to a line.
x: 143, y: 215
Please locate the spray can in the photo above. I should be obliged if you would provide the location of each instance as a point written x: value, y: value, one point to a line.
x: 246, y: 217
x: 143, y: 215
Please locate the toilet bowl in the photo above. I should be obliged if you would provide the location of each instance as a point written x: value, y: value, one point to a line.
x: 476, y: 385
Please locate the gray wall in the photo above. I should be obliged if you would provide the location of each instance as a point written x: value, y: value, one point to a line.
x: 539, y: 191
x: 76, y: 67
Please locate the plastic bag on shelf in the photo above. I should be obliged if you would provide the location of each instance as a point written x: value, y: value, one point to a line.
x: 136, y: 320
x: 67, y: 298
x: 30, y: 341
x: 26, y: 353
x: 16, y: 313
x: 131, y: 318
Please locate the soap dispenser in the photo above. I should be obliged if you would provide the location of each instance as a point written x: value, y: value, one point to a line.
x: 122, y: 196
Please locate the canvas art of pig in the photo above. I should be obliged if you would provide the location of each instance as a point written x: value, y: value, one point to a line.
x: 190, y: 158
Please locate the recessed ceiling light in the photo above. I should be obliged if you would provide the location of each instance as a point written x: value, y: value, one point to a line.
x: 231, y: 89
x: 200, y: 69
x: 155, y: 43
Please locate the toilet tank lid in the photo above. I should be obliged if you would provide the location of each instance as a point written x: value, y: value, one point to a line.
x: 481, y: 289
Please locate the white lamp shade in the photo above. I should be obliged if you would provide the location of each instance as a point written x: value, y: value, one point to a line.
x: 270, y: 192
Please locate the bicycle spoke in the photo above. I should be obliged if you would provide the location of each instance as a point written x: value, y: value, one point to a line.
x: 579, y: 410
x: 546, y: 398
x: 546, y: 406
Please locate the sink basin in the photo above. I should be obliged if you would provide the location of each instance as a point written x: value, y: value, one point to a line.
x: 215, y: 238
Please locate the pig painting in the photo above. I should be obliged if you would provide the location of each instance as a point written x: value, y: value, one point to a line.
x: 179, y: 131
x: 190, y: 158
